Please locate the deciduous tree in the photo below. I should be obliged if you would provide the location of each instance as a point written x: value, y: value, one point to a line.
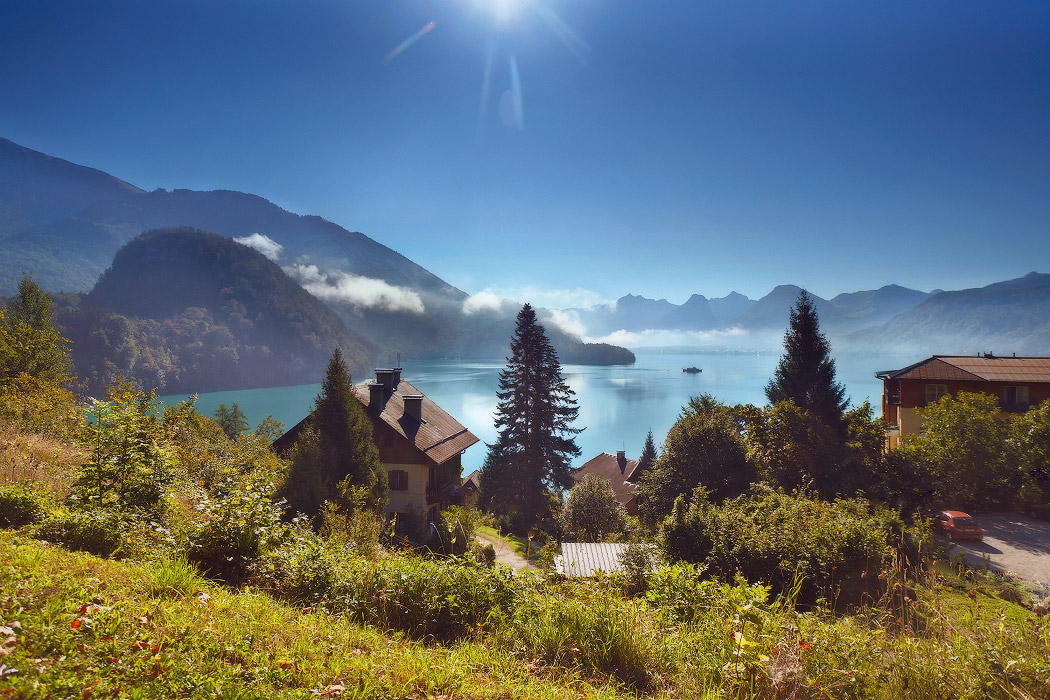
x: 591, y: 512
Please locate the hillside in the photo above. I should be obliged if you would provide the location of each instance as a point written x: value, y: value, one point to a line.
x: 1005, y: 317
x: 188, y: 311
x: 38, y: 188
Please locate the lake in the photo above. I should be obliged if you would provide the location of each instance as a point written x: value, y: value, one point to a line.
x: 618, y: 404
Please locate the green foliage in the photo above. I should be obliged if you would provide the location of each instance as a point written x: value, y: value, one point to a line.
x: 835, y: 549
x: 130, y: 464
x: 591, y: 513
x: 1029, y: 443
x: 648, y: 456
x: 336, y: 452
x: 269, y: 428
x: 22, y: 504
x: 962, y: 452
x: 805, y: 375
x: 703, y: 449
x: 685, y: 593
x: 240, y: 523
x: 99, y: 532
x: 29, y: 343
x: 175, y: 578
x: 231, y: 419
x: 598, y: 634
x: 535, y: 410
x: 455, y: 529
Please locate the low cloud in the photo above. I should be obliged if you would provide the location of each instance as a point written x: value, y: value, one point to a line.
x: 546, y: 298
x: 486, y: 300
x: 567, y: 321
x: 355, y: 290
x: 264, y: 244
x: 736, y: 338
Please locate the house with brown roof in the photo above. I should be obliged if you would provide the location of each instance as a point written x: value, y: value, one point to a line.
x: 1018, y: 382
x: 420, y: 445
x: 622, y: 473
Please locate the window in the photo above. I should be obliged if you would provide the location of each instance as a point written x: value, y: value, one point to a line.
x: 398, y: 480
x: 935, y: 391
x: 1016, y: 396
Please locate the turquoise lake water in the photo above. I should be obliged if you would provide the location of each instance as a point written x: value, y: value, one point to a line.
x: 618, y: 404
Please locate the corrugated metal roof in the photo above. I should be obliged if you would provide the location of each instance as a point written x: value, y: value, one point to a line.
x: 438, y: 435
x: 608, y: 466
x: 587, y: 558
x: 976, y: 369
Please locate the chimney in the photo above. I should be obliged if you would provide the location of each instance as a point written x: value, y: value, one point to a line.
x: 621, y: 460
x: 375, y: 396
x: 386, y: 377
x: 414, y: 406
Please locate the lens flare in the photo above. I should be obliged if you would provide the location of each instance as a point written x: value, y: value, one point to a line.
x: 400, y: 48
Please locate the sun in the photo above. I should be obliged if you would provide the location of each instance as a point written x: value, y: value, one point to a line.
x: 505, y: 13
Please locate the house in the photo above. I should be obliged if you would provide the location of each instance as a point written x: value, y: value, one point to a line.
x: 1018, y: 382
x: 420, y: 445
x: 622, y: 473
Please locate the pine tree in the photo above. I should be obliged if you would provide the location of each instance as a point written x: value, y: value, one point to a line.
x: 231, y: 419
x: 29, y: 343
x: 338, y: 453
x: 805, y: 375
x: 648, y: 457
x: 534, y: 414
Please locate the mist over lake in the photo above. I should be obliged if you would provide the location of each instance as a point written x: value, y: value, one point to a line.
x: 618, y: 404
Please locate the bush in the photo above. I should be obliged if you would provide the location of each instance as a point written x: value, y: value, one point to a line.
x: 684, y: 593
x: 425, y: 598
x: 836, y: 549
x: 301, y: 570
x: 240, y: 524
x: 95, y: 532
x: 599, y: 634
x: 20, y: 505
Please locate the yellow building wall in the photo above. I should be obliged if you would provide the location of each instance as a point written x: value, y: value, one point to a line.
x: 415, y: 497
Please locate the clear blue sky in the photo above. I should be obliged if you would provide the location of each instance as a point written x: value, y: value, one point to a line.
x: 660, y: 148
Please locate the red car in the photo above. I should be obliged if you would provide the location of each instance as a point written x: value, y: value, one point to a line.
x: 957, y: 525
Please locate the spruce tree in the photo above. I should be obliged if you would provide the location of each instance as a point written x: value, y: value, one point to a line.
x: 648, y: 457
x: 805, y: 375
x: 534, y: 414
x: 338, y: 453
x: 231, y: 419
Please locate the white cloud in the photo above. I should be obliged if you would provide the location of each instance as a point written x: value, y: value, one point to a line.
x: 354, y: 289
x: 485, y: 300
x: 264, y: 244
x: 568, y: 321
x: 552, y: 298
x: 737, y: 338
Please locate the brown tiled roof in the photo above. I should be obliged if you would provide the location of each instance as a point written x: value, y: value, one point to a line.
x: 439, y: 436
x: 976, y: 369
x: 473, y: 479
x: 607, y: 466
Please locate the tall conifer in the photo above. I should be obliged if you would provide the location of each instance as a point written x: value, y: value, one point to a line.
x: 534, y: 415
x: 805, y: 375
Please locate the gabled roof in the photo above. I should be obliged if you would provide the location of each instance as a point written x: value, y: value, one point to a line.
x: 972, y: 368
x: 438, y: 435
x: 609, y: 467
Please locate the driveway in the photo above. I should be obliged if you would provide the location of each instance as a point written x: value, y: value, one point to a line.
x: 1013, y: 543
x: 504, y: 554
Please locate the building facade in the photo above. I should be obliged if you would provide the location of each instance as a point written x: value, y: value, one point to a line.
x: 1018, y: 382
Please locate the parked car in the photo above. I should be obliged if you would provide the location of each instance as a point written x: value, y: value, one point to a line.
x: 957, y: 525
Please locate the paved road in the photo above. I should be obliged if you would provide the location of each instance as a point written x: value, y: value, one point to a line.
x: 1013, y: 543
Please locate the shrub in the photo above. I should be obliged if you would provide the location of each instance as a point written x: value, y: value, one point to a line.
x: 95, y: 532
x: 836, y: 549
x: 601, y: 634
x: 21, y: 504
x: 425, y: 598
x: 684, y: 593
x: 301, y: 570
x: 175, y: 578
x: 240, y: 523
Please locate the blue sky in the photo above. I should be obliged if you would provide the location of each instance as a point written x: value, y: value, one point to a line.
x: 659, y: 148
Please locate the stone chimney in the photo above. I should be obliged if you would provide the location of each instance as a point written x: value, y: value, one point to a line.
x: 414, y: 406
x: 388, y: 378
x: 376, y: 396
x: 621, y: 460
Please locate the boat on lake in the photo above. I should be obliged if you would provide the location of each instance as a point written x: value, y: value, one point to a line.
x: 692, y: 370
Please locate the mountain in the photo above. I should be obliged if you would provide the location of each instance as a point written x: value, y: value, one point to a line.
x: 875, y: 307
x: 378, y: 292
x: 771, y: 311
x: 1005, y: 317
x: 37, y: 188
x: 694, y: 315
x: 186, y: 311
x: 729, y: 308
